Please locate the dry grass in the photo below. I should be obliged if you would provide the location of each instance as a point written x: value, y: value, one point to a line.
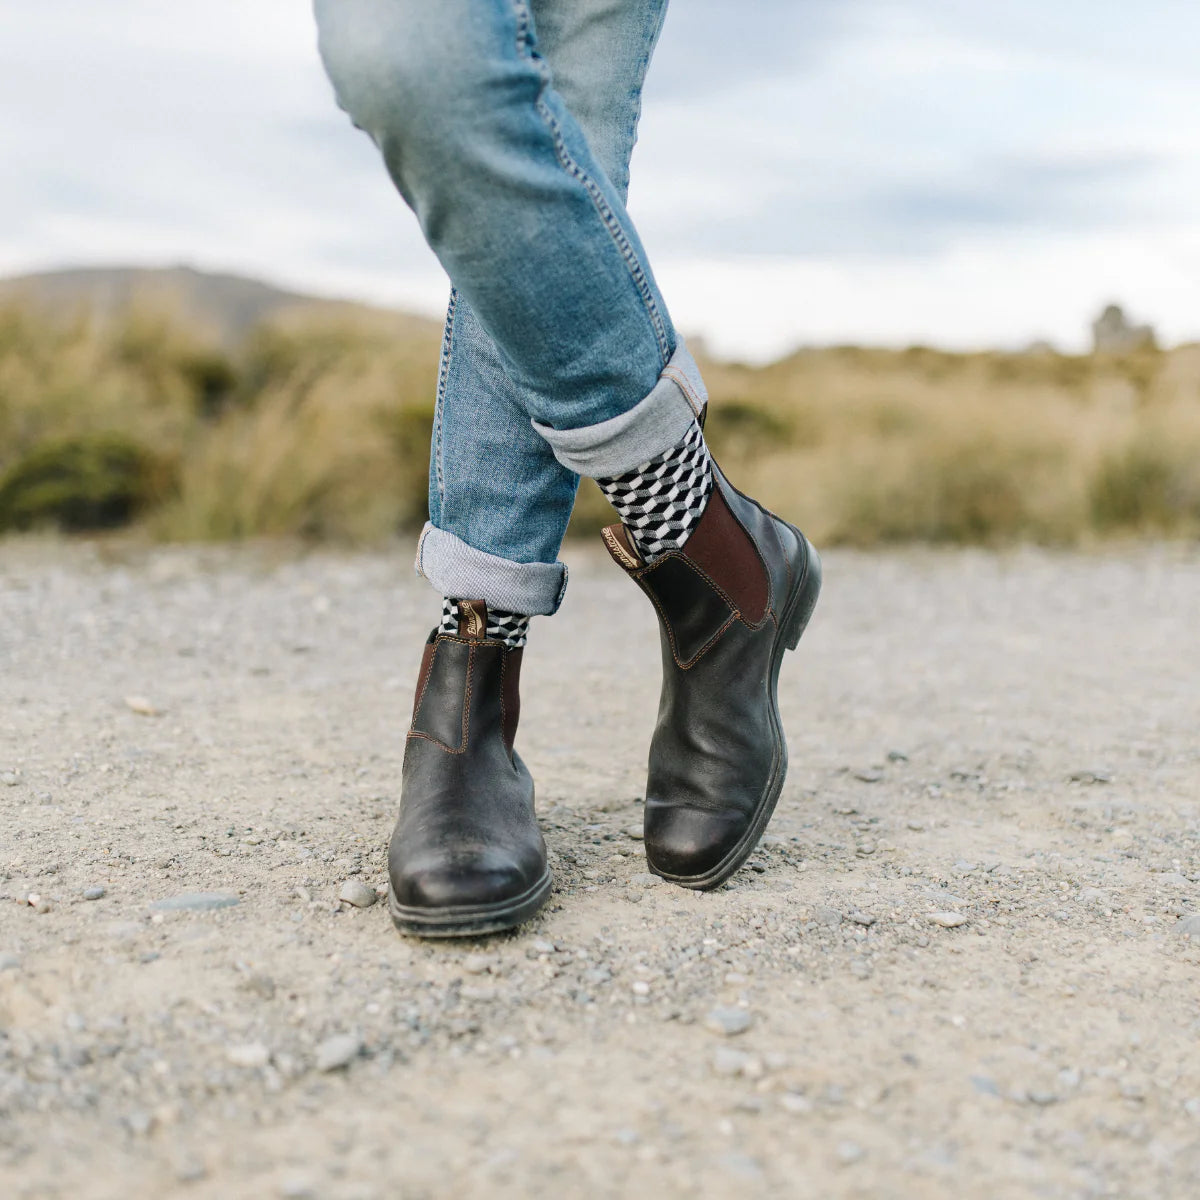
x: 319, y: 425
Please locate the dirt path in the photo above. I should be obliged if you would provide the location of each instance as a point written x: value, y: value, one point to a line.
x: 1012, y: 739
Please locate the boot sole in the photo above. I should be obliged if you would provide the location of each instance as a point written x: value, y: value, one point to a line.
x: 470, y: 920
x: 792, y: 624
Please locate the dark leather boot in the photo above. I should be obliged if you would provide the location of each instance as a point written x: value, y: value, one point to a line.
x: 467, y: 856
x: 729, y: 603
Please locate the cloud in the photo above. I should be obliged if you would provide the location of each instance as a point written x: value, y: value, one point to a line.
x: 833, y: 139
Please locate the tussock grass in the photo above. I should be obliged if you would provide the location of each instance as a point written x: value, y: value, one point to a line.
x: 318, y: 427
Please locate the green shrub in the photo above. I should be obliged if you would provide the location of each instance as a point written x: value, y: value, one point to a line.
x: 975, y: 490
x: 82, y: 483
x: 1151, y: 484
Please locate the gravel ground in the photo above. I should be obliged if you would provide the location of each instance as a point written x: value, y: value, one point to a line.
x: 959, y: 965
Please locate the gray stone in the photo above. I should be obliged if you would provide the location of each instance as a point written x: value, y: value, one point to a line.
x: 644, y: 879
x: 9, y: 962
x: 1091, y: 775
x: 9, y: 779
x: 95, y: 893
x: 338, y: 1051
x: 355, y: 892
x: 947, y: 920
x: 139, y: 1122
x: 249, y: 1055
x: 190, y: 1170
x: 728, y: 1061
x: 862, y: 918
x: 1174, y: 879
x: 1189, y: 926
x: 728, y: 1021
x: 828, y: 916
x: 849, y: 1153
x: 195, y: 902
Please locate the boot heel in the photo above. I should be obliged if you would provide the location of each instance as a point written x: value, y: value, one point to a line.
x: 805, y: 600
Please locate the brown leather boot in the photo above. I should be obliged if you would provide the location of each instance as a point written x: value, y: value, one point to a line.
x: 467, y: 856
x: 729, y: 603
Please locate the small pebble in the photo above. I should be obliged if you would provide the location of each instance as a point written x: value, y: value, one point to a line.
x: 728, y: 1021
x: 728, y: 1061
x: 1189, y: 926
x: 9, y: 779
x: 1091, y: 775
x: 338, y: 1051
x: 94, y: 893
x: 794, y: 1103
x: 250, y: 1055
x: 641, y: 988
x: 645, y: 879
x: 862, y: 918
x: 9, y: 962
x: 828, y: 916
x: 947, y: 920
x: 849, y: 1153
x: 869, y: 775
x: 297, y: 1187
x: 542, y: 946
x: 190, y: 1170
x: 195, y: 902
x: 476, y: 964
x: 142, y: 706
x: 355, y: 892
x: 139, y: 1122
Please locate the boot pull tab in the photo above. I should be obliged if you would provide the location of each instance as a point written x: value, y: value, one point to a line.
x: 472, y: 619
x: 617, y: 543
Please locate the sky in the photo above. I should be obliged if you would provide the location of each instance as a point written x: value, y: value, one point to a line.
x: 808, y: 171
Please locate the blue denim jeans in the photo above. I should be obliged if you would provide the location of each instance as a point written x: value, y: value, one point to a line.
x: 507, y: 126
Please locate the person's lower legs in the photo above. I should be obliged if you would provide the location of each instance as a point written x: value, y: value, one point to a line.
x: 495, y: 485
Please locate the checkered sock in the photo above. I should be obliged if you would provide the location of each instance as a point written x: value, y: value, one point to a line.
x: 661, y: 501
x: 508, y: 627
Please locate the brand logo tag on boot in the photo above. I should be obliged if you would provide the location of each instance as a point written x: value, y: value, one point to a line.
x: 471, y: 620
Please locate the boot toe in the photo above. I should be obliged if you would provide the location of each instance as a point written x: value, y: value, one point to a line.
x: 686, y: 843
x: 462, y: 880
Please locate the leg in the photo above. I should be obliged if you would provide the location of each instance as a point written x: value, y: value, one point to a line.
x: 496, y: 488
x: 519, y: 210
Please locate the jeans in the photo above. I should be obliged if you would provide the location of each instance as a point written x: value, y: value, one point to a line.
x: 507, y: 126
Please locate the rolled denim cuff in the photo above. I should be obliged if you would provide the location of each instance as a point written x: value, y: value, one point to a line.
x: 648, y: 429
x: 465, y: 573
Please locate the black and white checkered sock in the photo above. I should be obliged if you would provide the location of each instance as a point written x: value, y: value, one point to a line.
x: 661, y: 501
x: 508, y: 627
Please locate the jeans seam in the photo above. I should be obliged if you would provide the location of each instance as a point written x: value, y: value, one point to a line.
x: 443, y: 377
x: 607, y: 216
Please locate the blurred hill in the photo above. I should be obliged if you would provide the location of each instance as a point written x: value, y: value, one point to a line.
x: 199, y: 406
x: 217, y: 307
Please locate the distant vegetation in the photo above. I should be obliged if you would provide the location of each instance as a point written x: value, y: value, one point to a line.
x: 314, y: 423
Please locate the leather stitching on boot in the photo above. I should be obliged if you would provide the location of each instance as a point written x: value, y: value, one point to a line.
x: 466, y: 717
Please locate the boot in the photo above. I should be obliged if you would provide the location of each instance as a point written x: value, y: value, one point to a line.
x: 467, y: 856
x: 739, y: 592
